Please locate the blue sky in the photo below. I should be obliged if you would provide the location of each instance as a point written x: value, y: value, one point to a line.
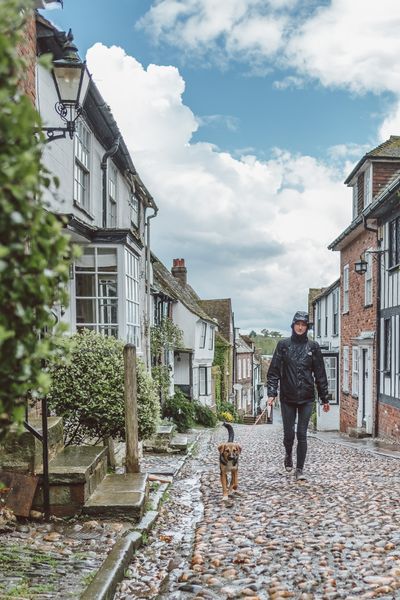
x: 243, y: 119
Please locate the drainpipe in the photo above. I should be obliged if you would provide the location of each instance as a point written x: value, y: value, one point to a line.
x: 378, y: 331
x: 103, y: 166
x: 148, y: 295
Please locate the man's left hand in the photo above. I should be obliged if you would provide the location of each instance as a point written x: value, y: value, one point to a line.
x: 326, y: 407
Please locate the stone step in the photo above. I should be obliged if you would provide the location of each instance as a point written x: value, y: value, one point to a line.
x: 358, y: 432
x: 21, y: 452
x: 161, y: 440
x: 179, y: 443
x: 74, y: 475
x: 119, y: 496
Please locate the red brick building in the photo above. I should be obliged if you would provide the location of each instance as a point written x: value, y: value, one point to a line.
x: 360, y: 293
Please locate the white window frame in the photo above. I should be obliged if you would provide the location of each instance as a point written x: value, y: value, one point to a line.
x: 82, y: 143
x: 112, y: 212
x: 355, y: 371
x: 203, y: 381
x: 104, y: 302
x: 132, y: 298
x: 368, y: 185
x: 211, y: 339
x: 335, y: 311
x: 345, y: 368
x: 203, y: 334
x: 240, y: 368
x: 368, y: 280
x: 346, y: 288
x: 134, y: 210
x: 318, y: 319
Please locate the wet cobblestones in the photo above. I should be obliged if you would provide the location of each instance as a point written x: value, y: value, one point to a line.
x: 335, y: 536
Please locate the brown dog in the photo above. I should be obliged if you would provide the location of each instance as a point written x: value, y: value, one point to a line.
x: 228, y: 462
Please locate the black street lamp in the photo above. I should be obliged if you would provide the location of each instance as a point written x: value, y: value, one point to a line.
x: 71, y: 80
x: 361, y: 266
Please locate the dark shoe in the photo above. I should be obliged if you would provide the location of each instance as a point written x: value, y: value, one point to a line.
x: 300, y: 475
x: 288, y: 462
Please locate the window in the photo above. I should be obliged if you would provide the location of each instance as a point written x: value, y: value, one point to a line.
x: 331, y: 374
x: 112, y: 197
x: 368, y: 186
x: 368, y: 280
x: 387, y: 348
x: 355, y: 371
x: 394, y: 242
x: 240, y: 368
x: 326, y: 317
x: 203, y: 335
x: 335, y: 310
x: 318, y: 324
x: 203, y: 381
x: 346, y: 288
x: 134, y: 208
x: 81, y: 166
x: 355, y: 200
x: 132, y: 298
x: 97, y: 291
x: 345, y: 368
x: 211, y: 339
x: 248, y: 367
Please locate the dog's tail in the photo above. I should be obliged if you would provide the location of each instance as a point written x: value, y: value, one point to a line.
x: 230, y: 431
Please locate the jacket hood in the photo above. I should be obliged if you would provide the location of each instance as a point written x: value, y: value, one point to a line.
x: 300, y: 316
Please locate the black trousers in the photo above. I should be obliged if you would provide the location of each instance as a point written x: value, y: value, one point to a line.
x: 289, y: 414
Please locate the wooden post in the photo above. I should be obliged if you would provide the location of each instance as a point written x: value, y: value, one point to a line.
x: 131, y: 419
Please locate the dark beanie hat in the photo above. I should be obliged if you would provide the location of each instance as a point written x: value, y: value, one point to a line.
x: 300, y: 316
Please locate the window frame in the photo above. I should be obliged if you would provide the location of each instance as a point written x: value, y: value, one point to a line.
x: 387, y: 346
x: 132, y: 296
x: 203, y: 335
x: 112, y: 200
x: 203, y: 369
x: 335, y: 311
x: 211, y: 339
x: 82, y: 158
x: 134, y: 207
x: 368, y: 280
x: 394, y: 242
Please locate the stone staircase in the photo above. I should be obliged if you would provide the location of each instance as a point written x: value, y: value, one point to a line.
x: 78, y: 479
x: 251, y: 419
x: 166, y: 440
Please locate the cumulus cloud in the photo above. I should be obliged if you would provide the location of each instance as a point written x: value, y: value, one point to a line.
x: 254, y: 230
x: 351, y: 44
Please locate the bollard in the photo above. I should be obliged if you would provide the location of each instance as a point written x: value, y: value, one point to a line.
x: 131, y: 418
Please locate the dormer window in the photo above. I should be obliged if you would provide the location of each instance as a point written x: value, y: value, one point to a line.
x: 368, y: 186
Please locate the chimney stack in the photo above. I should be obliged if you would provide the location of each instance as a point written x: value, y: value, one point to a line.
x: 179, y: 270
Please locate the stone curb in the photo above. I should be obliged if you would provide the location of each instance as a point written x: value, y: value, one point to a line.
x: 354, y: 445
x: 111, y: 572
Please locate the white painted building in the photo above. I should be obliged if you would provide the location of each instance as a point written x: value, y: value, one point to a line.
x: 192, y: 363
x: 326, y: 320
x: 105, y: 207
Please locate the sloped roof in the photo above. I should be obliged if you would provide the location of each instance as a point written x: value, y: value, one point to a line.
x: 220, y: 309
x: 325, y: 291
x: 177, y: 291
x: 242, y: 346
x: 388, y: 150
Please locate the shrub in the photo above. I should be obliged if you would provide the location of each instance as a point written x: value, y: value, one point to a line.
x: 33, y: 249
x: 87, y: 390
x: 204, y: 415
x: 180, y: 409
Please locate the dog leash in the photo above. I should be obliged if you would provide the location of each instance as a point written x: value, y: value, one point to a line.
x: 263, y: 413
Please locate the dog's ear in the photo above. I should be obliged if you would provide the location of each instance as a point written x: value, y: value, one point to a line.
x: 239, y: 448
x: 221, y: 448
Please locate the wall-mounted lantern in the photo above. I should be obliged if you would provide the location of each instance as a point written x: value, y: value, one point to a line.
x: 361, y: 266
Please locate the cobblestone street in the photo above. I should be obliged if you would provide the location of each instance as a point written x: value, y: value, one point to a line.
x: 335, y: 536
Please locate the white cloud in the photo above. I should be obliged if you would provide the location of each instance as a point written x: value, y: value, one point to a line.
x: 391, y: 123
x: 351, y: 44
x: 252, y: 230
x: 227, y: 121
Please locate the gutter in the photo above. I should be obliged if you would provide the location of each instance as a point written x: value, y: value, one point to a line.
x: 148, y: 291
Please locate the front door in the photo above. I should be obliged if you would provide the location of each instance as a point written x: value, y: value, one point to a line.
x: 365, y: 406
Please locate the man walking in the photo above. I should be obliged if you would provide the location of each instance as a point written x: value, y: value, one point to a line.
x: 296, y: 366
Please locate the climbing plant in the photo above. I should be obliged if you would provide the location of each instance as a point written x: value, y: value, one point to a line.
x: 163, y: 336
x: 33, y: 250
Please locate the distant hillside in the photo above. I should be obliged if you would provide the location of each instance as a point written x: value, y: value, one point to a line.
x: 267, y: 344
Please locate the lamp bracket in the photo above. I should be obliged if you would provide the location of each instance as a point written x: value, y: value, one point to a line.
x: 64, y: 110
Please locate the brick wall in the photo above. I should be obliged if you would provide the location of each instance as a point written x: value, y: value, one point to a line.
x: 359, y: 318
x: 382, y: 172
x: 389, y: 421
x: 27, y: 50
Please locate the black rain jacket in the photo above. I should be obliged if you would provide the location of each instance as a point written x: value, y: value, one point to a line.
x: 296, y: 366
